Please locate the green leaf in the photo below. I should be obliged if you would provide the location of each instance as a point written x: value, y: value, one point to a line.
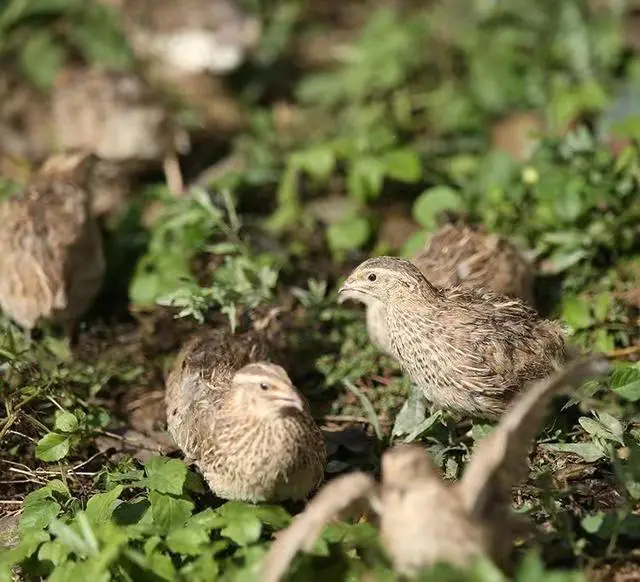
x: 403, y: 165
x: 576, y: 312
x: 165, y: 475
x: 41, y: 58
x: 588, y: 451
x: 600, y: 429
x: 52, y: 447
x: 625, y: 381
x: 563, y: 259
x: 348, y: 234
x: 367, y: 406
x: 274, y: 516
x: 203, y: 569
x: 423, y: 427
x: 187, y: 540
x: 101, y: 505
x: 365, y: 178
x: 169, y: 512
x: 434, y: 200
x: 243, y: 526
x: 38, y: 510
x: 66, y: 422
x: 592, y: 523
x: 412, y: 414
x: 53, y: 551
x: 317, y: 161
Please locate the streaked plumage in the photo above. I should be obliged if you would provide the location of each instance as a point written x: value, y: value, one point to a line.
x: 468, y: 350
x: 466, y: 256
x: 424, y: 520
x: 242, y: 420
x: 51, y: 257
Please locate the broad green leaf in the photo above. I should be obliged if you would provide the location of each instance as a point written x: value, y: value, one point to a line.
x: 203, y: 569
x: 625, y: 381
x: 434, y: 200
x: 243, y: 526
x: 38, y: 510
x: 412, y: 414
x: 165, y: 475
x: 274, y: 516
x: 599, y: 429
x: 53, y: 551
x: 423, y: 427
x: 187, y: 540
x: 348, y: 235
x: 41, y: 58
x: 365, y: 178
x: 208, y: 519
x: 66, y: 422
x: 576, y: 312
x: 317, y: 162
x: 169, y: 512
x: 52, y: 447
x: 588, y: 451
x: 101, y: 505
x: 403, y: 165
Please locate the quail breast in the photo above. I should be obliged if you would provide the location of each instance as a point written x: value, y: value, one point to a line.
x: 244, y: 423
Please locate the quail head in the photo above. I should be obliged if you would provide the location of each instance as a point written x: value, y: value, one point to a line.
x: 460, y: 254
x: 467, y: 350
x: 241, y: 419
x: 51, y: 258
x: 424, y: 520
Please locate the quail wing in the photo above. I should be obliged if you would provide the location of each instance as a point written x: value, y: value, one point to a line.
x: 500, y: 461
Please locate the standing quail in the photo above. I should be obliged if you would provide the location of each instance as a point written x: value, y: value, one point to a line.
x: 243, y: 422
x: 467, y: 350
x: 460, y: 254
x: 51, y: 258
x: 424, y: 520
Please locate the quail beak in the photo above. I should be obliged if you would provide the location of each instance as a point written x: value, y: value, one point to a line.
x: 351, y: 291
x: 343, y: 293
x: 288, y: 398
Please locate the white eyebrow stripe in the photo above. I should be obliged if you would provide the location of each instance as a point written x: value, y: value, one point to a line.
x: 248, y: 377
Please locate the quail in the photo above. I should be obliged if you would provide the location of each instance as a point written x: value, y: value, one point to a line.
x: 467, y: 350
x: 51, y: 256
x: 424, y: 520
x: 465, y: 255
x: 242, y: 421
x: 197, y: 36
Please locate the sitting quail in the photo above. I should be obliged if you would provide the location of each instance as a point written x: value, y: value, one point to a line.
x: 242, y: 420
x: 51, y: 258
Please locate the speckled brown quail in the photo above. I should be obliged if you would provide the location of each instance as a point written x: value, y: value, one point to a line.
x: 51, y: 258
x: 243, y: 422
x: 116, y: 116
x: 465, y: 255
x: 467, y: 350
x: 423, y: 519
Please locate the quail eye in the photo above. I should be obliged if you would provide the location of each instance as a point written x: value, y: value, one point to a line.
x: 264, y: 386
x: 371, y: 276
